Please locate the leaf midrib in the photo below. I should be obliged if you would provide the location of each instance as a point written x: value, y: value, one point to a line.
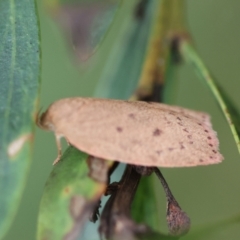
x: 12, y: 19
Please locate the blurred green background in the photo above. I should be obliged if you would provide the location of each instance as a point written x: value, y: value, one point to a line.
x: 208, y: 194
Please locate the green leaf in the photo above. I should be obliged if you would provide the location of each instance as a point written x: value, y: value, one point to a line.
x: 85, y: 22
x: 230, y: 112
x: 19, y: 80
x: 123, y: 68
x: 207, y: 230
x: 146, y: 199
x: 170, y: 83
x: 155, y: 236
x: 70, y: 196
x: 149, y: 235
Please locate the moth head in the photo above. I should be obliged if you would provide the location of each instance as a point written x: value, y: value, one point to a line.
x: 44, y: 121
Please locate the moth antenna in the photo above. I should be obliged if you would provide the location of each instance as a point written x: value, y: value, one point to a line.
x: 58, y: 142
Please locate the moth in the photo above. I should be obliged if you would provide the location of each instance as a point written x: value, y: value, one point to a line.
x: 133, y: 132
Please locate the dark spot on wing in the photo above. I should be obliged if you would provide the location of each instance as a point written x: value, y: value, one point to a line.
x: 158, y: 152
x: 191, y: 142
x: 206, y: 131
x: 185, y: 130
x: 119, y: 129
x: 152, y: 158
x: 170, y: 149
x: 157, y: 132
x: 200, y: 160
x: 181, y: 145
x: 136, y: 142
x: 210, y: 145
x: 189, y: 136
x: 209, y: 138
x: 131, y: 115
x: 214, y: 151
x: 178, y: 118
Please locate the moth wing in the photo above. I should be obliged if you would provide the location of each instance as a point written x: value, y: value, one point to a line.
x: 140, y: 133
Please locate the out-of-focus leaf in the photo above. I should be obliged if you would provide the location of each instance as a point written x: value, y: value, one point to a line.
x: 230, y: 112
x: 85, y: 22
x: 205, y: 231
x: 155, y: 236
x: 146, y: 199
x: 160, y: 60
x: 123, y: 68
x: 71, y: 193
x: 170, y: 83
x: 19, y: 83
x: 145, y: 236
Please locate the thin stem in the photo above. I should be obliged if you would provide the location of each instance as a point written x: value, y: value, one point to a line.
x: 178, y: 221
x: 117, y: 208
x: 191, y: 56
x: 166, y: 188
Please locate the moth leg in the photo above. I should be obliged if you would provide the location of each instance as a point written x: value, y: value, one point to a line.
x: 112, y: 188
x: 143, y: 171
x: 58, y: 142
x: 95, y: 214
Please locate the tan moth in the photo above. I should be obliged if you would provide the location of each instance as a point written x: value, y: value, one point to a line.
x: 134, y: 132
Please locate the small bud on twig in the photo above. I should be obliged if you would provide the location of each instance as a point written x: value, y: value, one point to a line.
x: 178, y: 221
